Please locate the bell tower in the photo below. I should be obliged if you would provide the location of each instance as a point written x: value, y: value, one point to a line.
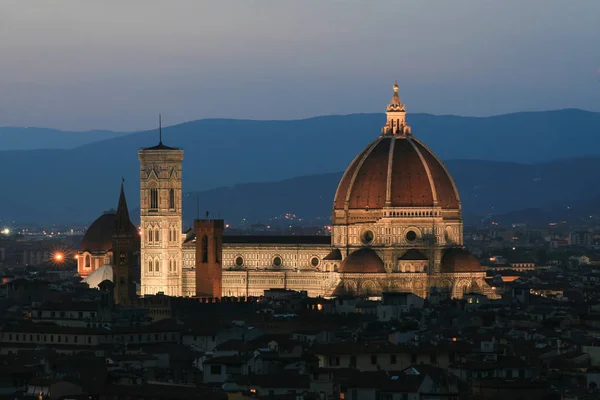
x: 161, y: 219
x: 124, y: 243
x: 209, y: 252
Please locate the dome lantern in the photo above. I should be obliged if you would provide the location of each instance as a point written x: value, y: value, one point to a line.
x: 396, y: 116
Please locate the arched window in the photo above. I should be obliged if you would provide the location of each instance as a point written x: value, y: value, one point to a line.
x: 156, y: 266
x: 156, y: 235
x: 150, y: 266
x: 171, y: 198
x: 153, y: 198
x: 88, y: 261
x: 150, y: 236
x: 204, y: 249
x: 174, y: 234
x: 170, y: 235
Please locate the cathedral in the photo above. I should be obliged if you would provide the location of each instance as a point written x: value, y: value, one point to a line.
x: 396, y: 226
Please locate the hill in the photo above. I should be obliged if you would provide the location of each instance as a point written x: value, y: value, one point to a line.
x: 77, y: 184
x: 12, y: 138
x: 486, y: 188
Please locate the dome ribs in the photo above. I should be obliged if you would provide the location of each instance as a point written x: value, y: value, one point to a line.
x: 341, y: 194
x: 410, y: 184
x: 370, y: 184
x: 446, y: 190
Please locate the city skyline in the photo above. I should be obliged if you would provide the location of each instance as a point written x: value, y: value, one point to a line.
x: 116, y: 66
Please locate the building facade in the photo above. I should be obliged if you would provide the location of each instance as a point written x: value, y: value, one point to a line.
x: 397, y: 226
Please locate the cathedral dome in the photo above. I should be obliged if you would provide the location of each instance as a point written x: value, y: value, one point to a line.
x: 396, y: 170
x: 457, y: 259
x: 363, y: 260
x: 98, y: 237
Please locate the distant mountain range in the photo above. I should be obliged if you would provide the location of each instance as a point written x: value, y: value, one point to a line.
x: 12, y: 138
x: 501, y: 164
x: 527, y: 193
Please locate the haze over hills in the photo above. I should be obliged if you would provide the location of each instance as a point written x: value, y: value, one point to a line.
x: 486, y: 188
x: 77, y: 184
x: 13, y: 138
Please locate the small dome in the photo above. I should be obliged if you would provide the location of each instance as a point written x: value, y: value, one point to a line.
x: 363, y: 260
x: 413, y: 255
x: 98, y: 237
x: 458, y: 259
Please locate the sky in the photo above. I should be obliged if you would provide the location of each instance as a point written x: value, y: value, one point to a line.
x: 116, y: 64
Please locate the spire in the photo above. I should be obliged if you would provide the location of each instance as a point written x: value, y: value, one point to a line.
x: 396, y: 116
x: 122, y: 221
x: 159, y: 129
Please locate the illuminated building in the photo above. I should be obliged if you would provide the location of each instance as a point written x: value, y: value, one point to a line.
x: 397, y: 226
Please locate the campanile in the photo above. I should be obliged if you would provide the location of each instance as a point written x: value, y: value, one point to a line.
x: 161, y: 219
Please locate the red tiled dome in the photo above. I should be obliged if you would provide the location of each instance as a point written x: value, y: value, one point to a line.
x: 363, y: 260
x: 396, y: 171
x: 98, y: 237
x: 457, y: 259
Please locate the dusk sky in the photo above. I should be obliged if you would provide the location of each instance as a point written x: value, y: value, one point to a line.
x: 114, y: 64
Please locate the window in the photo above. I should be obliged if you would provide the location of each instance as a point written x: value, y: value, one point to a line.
x: 75, y: 339
x: 373, y: 360
x: 150, y: 236
x: 156, y: 266
x: 334, y: 360
x: 367, y: 237
x: 156, y: 235
x: 171, y: 198
x: 204, y: 249
x: 154, y: 198
x: 89, y: 339
x: 433, y: 358
x: 413, y: 358
x: 411, y: 236
x: 393, y: 359
x: 88, y: 261
x: 353, y: 361
x: 314, y: 262
x: 150, y: 266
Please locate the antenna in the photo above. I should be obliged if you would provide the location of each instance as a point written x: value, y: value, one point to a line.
x: 198, y: 205
x: 207, y: 215
x: 159, y: 129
